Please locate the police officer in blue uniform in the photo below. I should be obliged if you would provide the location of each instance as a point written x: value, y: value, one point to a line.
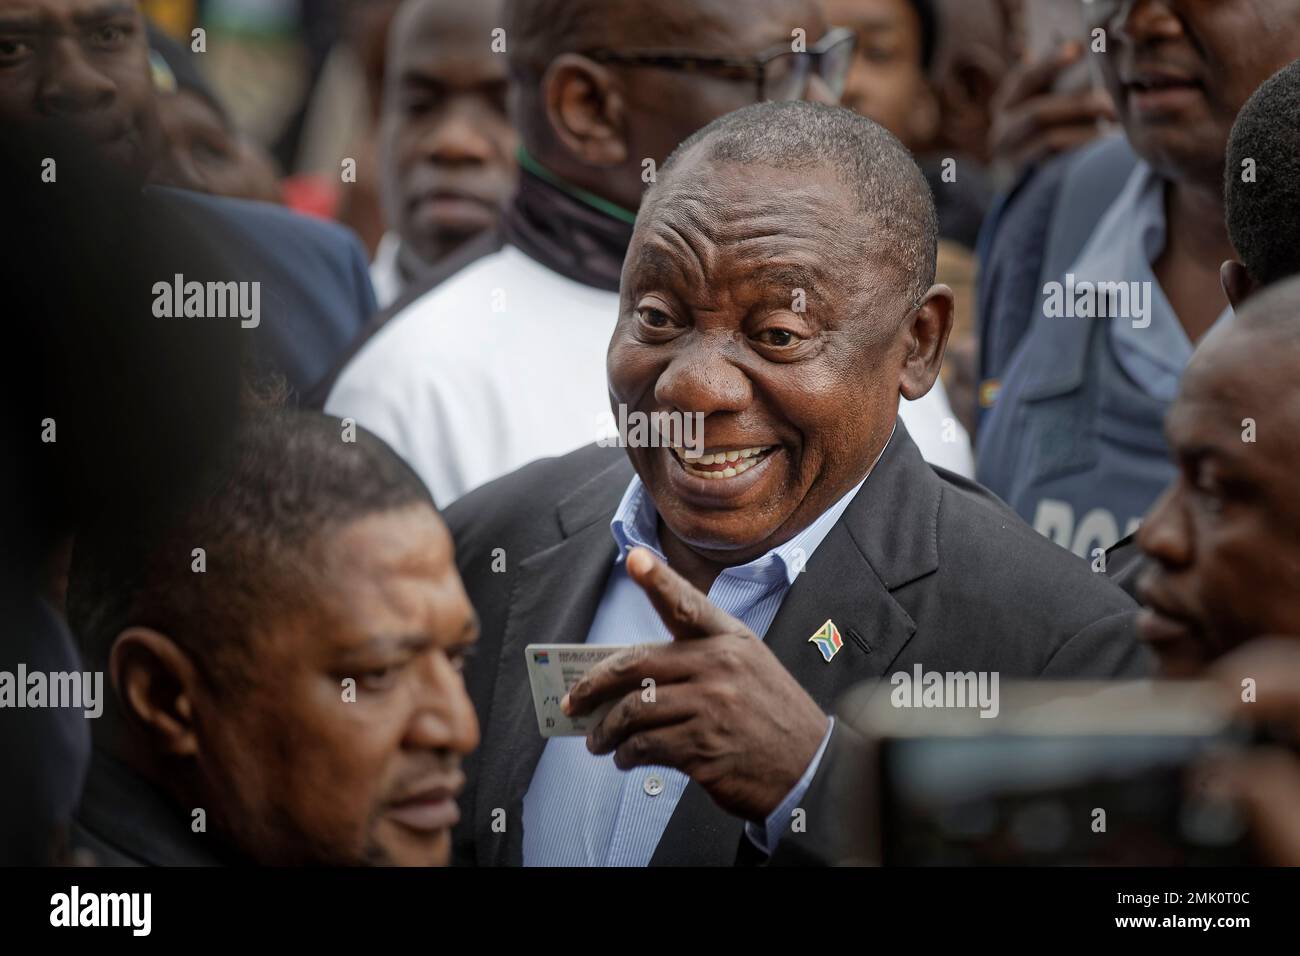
x: 1073, y: 440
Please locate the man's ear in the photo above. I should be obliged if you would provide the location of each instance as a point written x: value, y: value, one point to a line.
x: 927, y: 337
x: 156, y: 683
x: 586, y: 110
x: 1238, y: 286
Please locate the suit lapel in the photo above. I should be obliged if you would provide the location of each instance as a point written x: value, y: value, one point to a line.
x: 886, y: 538
x: 554, y: 601
x: 699, y: 833
x: 838, y: 586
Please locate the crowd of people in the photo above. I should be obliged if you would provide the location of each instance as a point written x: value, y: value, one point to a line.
x: 991, y: 358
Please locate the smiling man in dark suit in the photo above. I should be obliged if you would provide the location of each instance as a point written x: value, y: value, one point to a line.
x: 778, y: 284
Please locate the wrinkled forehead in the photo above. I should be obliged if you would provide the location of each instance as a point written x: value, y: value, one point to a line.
x: 711, y: 220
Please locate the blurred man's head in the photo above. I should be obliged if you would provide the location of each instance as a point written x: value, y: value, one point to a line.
x: 779, y: 284
x: 205, y: 153
x: 888, y: 82
x: 1262, y: 187
x: 302, y: 683
x: 1179, y: 70
x: 76, y: 73
x: 1224, y: 538
x: 447, y: 147
x: 602, y: 87
x: 138, y: 402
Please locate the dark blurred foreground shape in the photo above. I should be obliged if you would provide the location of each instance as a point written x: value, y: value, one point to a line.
x: 133, y: 404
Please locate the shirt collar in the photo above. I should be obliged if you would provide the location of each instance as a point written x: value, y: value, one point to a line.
x: 636, y: 524
x: 566, y: 229
x: 1127, y: 242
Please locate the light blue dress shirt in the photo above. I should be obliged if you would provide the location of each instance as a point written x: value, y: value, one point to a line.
x: 1125, y: 245
x: 581, y: 810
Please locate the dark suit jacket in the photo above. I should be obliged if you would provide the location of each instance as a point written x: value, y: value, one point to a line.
x: 923, y: 567
x: 1125, y: 563
x: 316, y: 292
x: 125, y: 821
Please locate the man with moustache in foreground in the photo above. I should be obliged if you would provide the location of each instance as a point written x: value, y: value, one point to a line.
x: 810, y: 507
x: 301, y: 687
x: 1221, y: 581
x: 1223, y: 541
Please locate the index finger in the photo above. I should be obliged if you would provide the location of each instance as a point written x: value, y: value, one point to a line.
x: 686, y: 612
x: 625, y: 672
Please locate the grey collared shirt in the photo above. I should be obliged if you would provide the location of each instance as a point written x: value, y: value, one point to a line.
x: 1123, y: 248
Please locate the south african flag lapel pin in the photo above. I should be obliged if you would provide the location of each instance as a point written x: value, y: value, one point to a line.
x: 828, y: 640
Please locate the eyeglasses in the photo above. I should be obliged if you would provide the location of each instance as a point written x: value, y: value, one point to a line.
x: 779, y: 73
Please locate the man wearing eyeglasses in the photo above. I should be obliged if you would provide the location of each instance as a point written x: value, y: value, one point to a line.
x: 504, y: 362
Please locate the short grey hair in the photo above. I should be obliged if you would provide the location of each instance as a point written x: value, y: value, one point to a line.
x: 891, y: 190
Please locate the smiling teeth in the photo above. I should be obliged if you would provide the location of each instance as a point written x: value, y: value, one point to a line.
x: 720, y: 457
x: 743, y: 459
x: 740, y: 469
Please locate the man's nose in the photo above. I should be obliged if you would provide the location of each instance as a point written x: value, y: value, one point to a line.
x: 701, y: 380
x: 1165, y: 534
x: 445, y: 719
x: 71, y: 84
x: 457, y: 139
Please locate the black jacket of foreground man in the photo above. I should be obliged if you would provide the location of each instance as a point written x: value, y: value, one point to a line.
x: 923, y: 568
x: 125, y: 821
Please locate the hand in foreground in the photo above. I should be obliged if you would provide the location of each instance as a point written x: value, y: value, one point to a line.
x: 1266, y: 780
x: 723, y: 710
x: 1032, y: 122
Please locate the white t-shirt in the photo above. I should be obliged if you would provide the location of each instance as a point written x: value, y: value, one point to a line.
x: 504, y: 363
x: 384, y: 274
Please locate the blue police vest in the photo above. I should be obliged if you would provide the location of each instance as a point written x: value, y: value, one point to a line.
x: 1073, y: 444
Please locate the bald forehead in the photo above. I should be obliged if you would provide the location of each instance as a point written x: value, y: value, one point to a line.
x: 725, y: 195
x: 796, y: 228
x: 421, y: 21
x: 444, y: 41
x: 1250, y: 370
